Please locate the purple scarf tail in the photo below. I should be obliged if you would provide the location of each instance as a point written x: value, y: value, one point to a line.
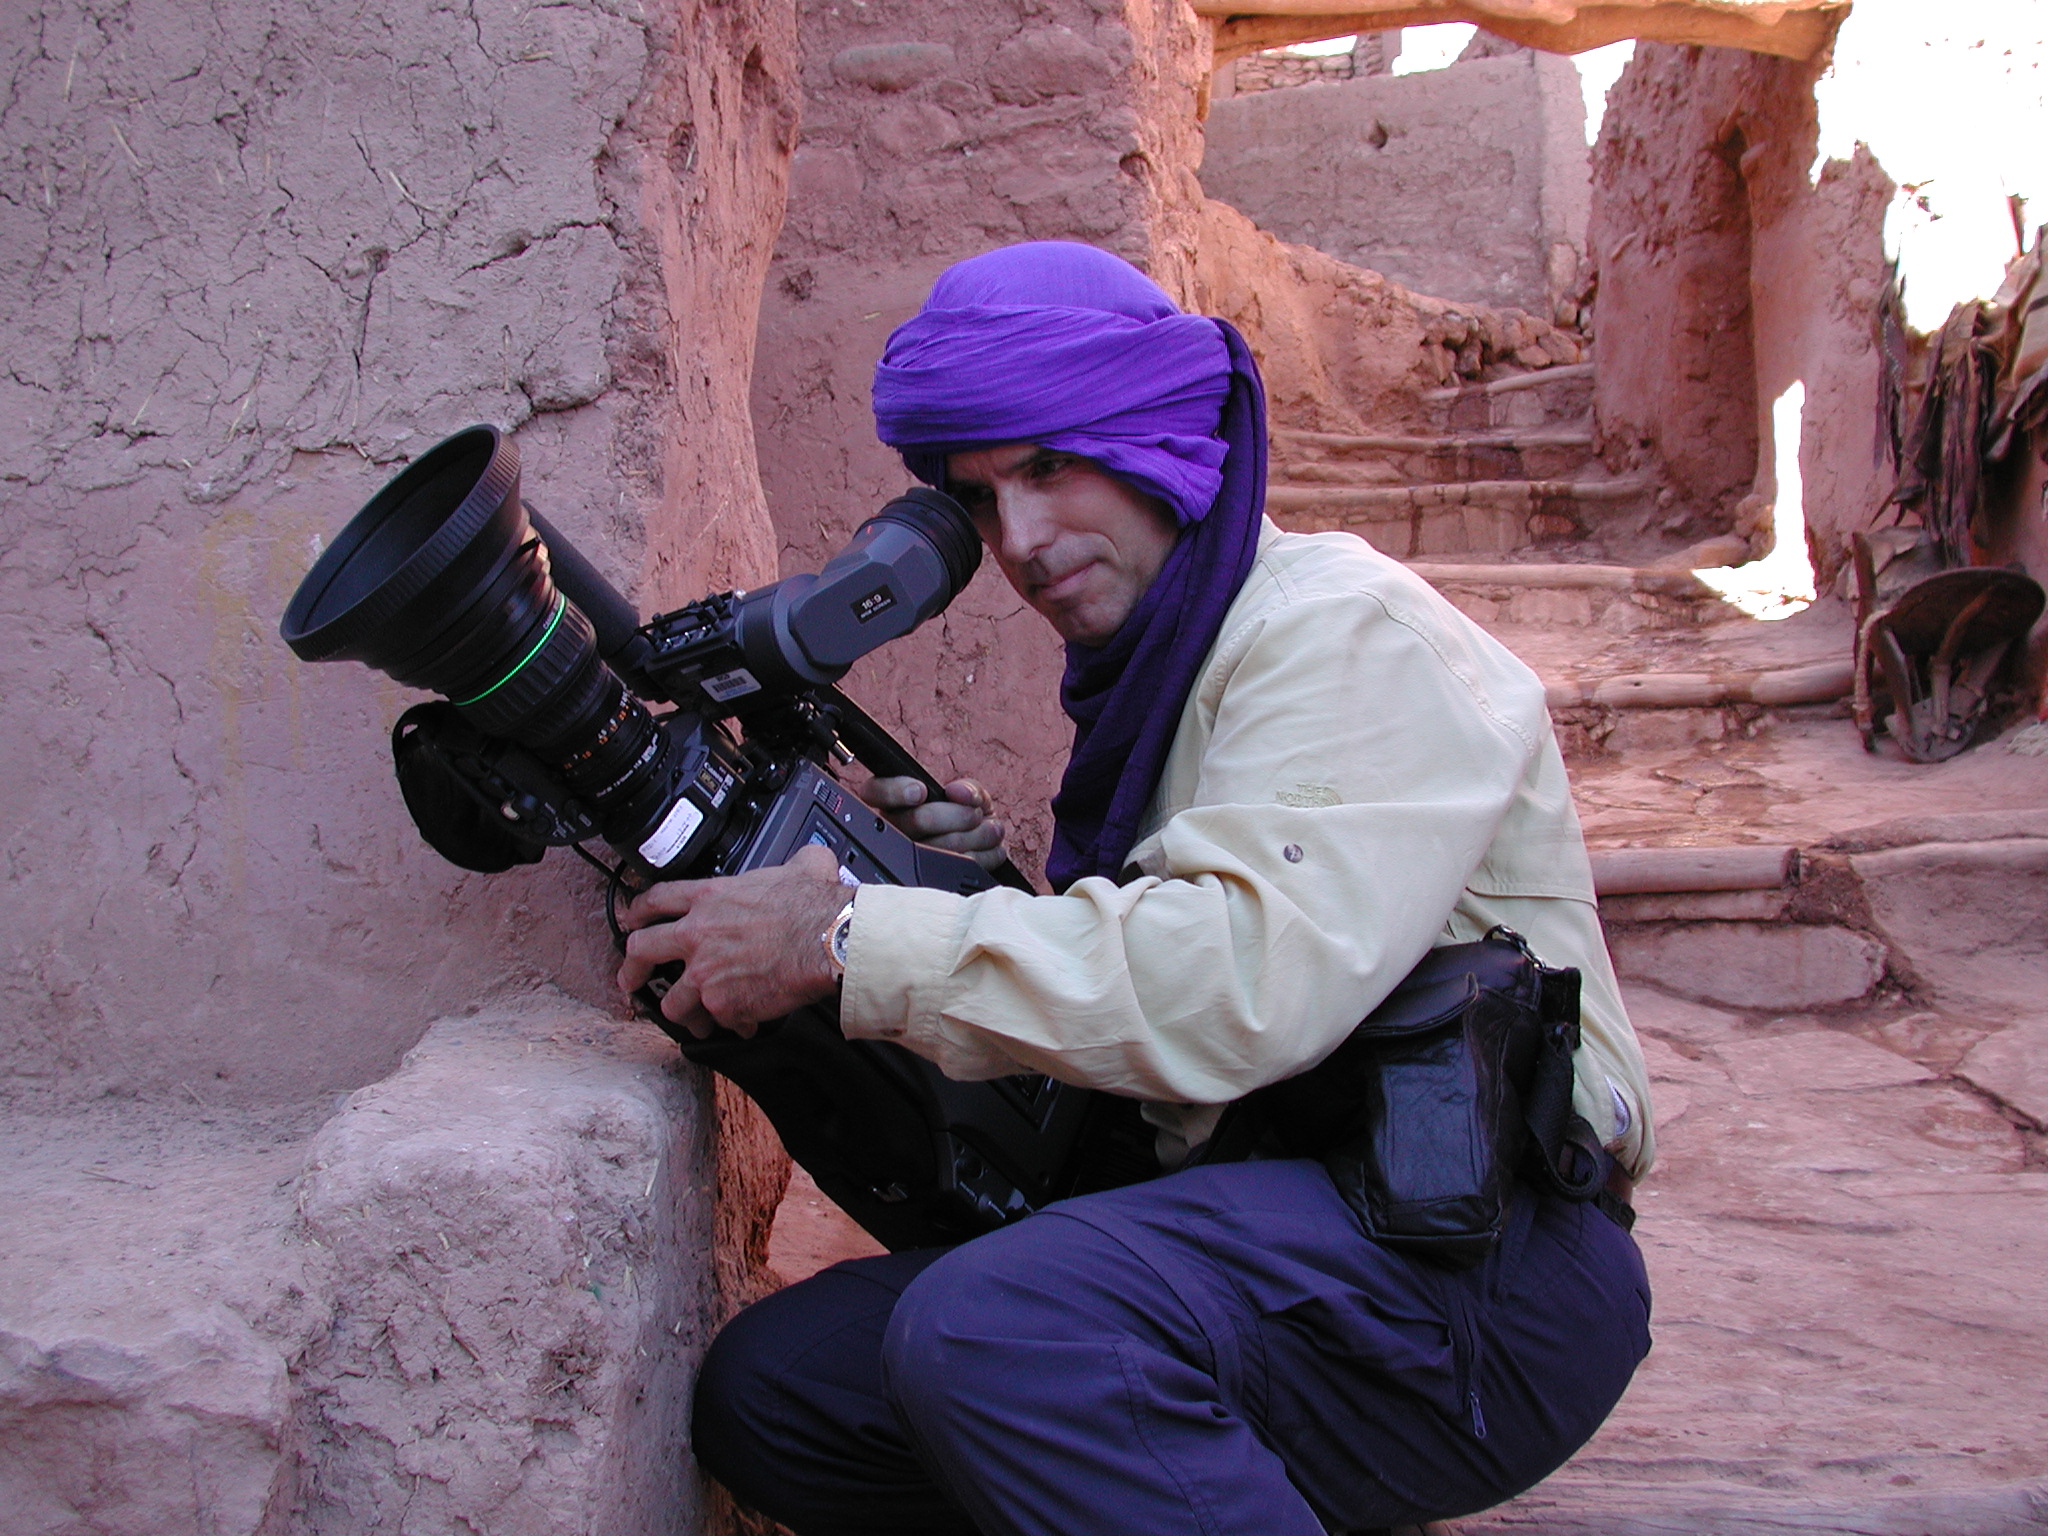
x: 1126, y: 698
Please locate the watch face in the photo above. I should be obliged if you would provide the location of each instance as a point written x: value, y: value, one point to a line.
x: 836, y: 937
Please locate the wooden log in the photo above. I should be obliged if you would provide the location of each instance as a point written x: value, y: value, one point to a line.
x: 1820, y: 682
x: 1339, y: 442
x: 1618, y: 578
x: 1739, y: 867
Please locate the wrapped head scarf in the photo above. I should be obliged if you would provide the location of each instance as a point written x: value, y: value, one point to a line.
x: 1076, y: 350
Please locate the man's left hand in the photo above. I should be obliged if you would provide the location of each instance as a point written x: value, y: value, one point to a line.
x: 750, y: 944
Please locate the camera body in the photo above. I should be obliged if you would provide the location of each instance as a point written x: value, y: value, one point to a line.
x: 544, y: 738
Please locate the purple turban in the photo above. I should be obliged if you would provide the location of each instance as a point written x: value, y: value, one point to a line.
x: 1076, y: 350
x: 1097, y: 360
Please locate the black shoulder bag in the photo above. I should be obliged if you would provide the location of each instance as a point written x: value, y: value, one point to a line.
x: 1425, y: 1115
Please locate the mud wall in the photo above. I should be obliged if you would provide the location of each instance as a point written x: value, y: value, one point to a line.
x: 1726, y: 276
x: 260, y: 255
x: 1468, y: 183
x: 933, y: 133
x: 1348, y: 350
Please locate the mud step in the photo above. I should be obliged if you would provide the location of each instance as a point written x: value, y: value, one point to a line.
x: 1568, y: 373
x: 1546, y: 396
x: 1455, y: 518
x: 1329, y: 458
x: 1959, y: 919
x: 1615, y: 599
x: 188, y: 1295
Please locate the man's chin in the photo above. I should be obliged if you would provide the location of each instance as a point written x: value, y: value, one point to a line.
x: 1084, y: 625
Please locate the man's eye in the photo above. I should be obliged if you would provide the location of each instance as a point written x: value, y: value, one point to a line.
x: 1046, y: 465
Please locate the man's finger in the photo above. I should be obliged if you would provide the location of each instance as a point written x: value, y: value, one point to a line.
x: 681, y: 1006
x: 648, y: 948
x: 932, y: 821
x: 900, y: 793
x: 970, y: 792
x: 660, y: 903
x: 815, y: 857
x: 975, y: 839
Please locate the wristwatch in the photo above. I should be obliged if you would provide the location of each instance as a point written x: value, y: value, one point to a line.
x: 834, y: 939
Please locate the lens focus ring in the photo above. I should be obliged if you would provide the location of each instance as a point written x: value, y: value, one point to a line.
x: 540, y: 675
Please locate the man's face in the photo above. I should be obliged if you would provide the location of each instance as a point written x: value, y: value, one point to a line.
x: 1079, y: 545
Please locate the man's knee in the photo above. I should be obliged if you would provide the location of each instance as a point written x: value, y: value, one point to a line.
x: 921, y: 1358
x: 738, y: 1394
x: 794, y: 1381
x: 1012, y: 1303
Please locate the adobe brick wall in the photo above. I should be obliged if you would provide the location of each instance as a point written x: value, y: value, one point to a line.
x: 1725, y: 276
x: 1468, y: 183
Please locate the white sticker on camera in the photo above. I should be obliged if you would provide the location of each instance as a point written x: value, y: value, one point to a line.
x: 731, y: 685
x: 676, y: 827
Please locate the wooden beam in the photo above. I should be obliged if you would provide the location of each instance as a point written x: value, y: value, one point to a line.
x: 1792, y: 29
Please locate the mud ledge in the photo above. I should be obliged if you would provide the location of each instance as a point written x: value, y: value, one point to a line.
x: 472, y: 1296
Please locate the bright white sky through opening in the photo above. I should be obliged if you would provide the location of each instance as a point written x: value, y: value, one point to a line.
x: 1780, y: 584
x: 1953, y: 101
x: 1432, y: 47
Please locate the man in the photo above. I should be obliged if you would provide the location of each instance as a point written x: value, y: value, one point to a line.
x: 1295, y: 771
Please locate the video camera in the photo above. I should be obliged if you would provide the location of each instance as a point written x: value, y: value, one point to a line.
x: 542, y: 738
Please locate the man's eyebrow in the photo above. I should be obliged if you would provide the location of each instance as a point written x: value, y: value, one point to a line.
x: 1027, y: 454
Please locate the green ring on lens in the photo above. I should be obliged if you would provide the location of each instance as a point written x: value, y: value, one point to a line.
x: 561, y: 606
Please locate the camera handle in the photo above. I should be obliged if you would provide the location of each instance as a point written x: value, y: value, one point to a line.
x: 885, y: 757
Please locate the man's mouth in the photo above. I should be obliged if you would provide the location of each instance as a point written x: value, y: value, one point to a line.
x: 1064, y: 587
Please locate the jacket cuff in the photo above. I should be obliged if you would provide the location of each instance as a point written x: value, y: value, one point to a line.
x: 900, y: 954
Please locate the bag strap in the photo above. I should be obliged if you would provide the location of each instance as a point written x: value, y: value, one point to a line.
x: 1565, y: 1149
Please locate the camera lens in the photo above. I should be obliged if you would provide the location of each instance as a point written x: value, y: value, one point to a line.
x: 441, y: 583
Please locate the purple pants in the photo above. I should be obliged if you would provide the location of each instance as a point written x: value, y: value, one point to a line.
x: 1219, y: 1351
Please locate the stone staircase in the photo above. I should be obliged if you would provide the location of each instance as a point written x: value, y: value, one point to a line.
x: 1508, y: 512
x: 1507, y: 474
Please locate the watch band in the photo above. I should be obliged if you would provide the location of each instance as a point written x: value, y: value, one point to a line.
x: 834, y: 939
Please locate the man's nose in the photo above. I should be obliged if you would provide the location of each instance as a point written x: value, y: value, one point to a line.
x: 1026, y: 526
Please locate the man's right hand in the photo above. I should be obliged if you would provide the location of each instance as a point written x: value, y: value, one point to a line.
x: 960, y: 823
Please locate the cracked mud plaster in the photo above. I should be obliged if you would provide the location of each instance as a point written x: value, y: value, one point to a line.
x: 260, y: 255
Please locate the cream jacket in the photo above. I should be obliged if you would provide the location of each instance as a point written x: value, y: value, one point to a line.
x: 1361, y: 773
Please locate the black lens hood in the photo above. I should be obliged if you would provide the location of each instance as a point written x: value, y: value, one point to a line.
x: 359, y: 630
